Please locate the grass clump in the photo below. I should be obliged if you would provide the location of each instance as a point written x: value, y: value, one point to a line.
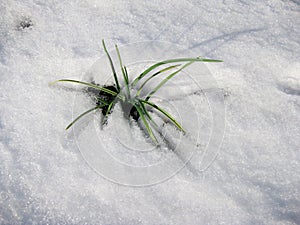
x: 130, y: 95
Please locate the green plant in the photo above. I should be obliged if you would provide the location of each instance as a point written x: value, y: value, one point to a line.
x: 130, y: 95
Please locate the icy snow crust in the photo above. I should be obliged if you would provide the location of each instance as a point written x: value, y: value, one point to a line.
x: 254, y: 180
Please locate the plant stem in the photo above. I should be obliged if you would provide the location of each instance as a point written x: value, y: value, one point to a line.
x: 112, y: 66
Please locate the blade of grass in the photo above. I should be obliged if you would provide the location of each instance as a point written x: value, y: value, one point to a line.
x: 87, y: 84
x: 108, y: 111
x: 165, y: 113
x: 113, y: 93
x: 121, y: 65
x: 124, y: 71
x: 127, y: 81
x: 102, y: 101
x: 109, y: 108
x: 126, y: 74
x: 147, y: 114
x: 112, y: 66
x: 148, y: 128
x: 154, y: 75
x: 144, y: 73
x: 81, y: 115
x: 165, y: 80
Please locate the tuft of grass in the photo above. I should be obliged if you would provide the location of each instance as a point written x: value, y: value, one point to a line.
x: 140, y: 106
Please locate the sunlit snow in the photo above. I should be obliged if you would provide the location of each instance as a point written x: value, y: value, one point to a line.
x: 253, y: 177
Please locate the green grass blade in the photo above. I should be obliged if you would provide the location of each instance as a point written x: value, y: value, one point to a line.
x: 121, y: 65
x: 102, y: 101
x: 81, y: 115
x: 124, y: 71
x: 109, y: 108
x: 112, y: 66
x: 148, y: 128
x: 198, y: 59
x: 147, y: 114
x: 165, y: 80
x: 154, y: 75
x: 87, y: 84
x: 165, y: 113
x: 126, y: 75
x: 127, y: 81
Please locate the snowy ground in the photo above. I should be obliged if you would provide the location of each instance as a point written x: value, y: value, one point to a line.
x: 254, y: 180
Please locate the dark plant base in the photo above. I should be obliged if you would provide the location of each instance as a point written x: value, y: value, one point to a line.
x: 134, y: 114
x: 109, y: 98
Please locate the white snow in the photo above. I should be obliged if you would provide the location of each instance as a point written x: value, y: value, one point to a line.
x: 255, y: 179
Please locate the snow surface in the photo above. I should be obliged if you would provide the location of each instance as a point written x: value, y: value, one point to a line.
x: 254, y: 180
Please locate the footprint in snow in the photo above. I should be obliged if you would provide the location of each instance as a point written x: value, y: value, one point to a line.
x: 290, y: 85
x: 25, y: 23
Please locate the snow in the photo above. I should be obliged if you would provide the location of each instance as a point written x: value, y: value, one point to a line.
x: 45, y: 176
